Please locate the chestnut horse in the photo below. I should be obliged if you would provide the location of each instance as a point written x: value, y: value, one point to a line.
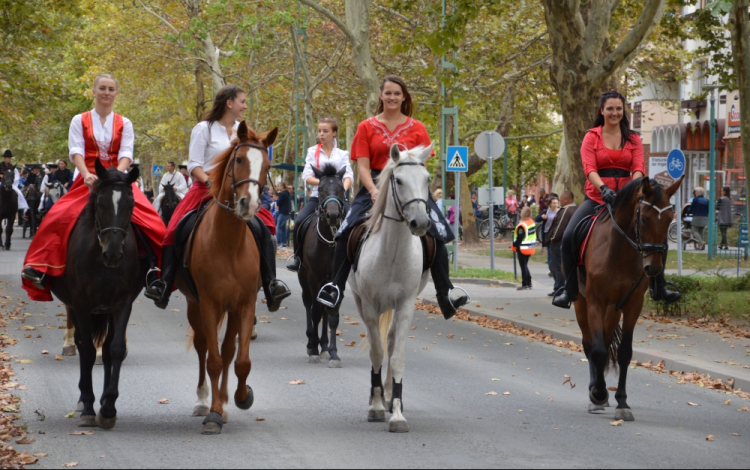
x: 625, y: 247
x: 224, y: 263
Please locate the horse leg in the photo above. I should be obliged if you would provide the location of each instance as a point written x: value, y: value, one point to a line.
x: 322, y: 316
x: 312, y: 328
x: 598, y: 394
x: 376, y: 413
x: 581, y: 308
x: 402, y: 319
x: 113, y: 354
x: 333, y: 321
x: 228, y: 349
x: 244, y: 397
x: 210, y: 317
x: 9, y: 231
x: 202, y: 407
x: 87, y: 350
x: 624, y: 356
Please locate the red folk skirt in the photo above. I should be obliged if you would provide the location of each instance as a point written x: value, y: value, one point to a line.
x: 194, y: 199
x: 49, y: 248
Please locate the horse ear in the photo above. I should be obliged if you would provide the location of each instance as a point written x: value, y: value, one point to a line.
x: 101, y: 172
x: 270, y: 138
x: 134, y: 174
x: 341, y: 173
x: 395, y: 153
x: 317, y: 172
x: 243, y: 132
x: 646, y: 188
x: 427, y: 154
x: 673, y: 189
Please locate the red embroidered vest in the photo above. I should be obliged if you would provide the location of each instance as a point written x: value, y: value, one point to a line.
x: 109, y: 157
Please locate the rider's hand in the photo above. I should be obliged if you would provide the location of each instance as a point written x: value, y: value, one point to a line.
x: 374, y: 193
x: 608, y: 195
x: 90, y: 179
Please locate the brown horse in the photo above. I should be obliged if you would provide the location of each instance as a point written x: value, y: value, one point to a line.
x: 627, y: 246
x: 224, y: 263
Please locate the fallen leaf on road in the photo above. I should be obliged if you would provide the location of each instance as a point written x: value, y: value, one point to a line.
x: 710, y: 438
x: 744, y: 408
x: 566, y: 376
x: 413, y: 327
x: 506, y: 393
x: 25, y: 361
x: 25, y: 440
x: 40, y: 455
x: 736, y: 434
x: 81, y: 433
x: 28, y: 328
x: 351, y: 345
x: 617, y: 423
x: 537, y: 314
x: 45, y: 352
x: 27, y: 459
x: 496, y: 380
x: 612, y: 389
x: 260, y: 419
x: 353, y: 323
x: 71, y: 415
x: 59, y: 358
x: 70, y: 464
x: 412, y: 337
x: 572, y: 385
x: 693, y: 404
x: 728, y: 402
x: 492, y: 394
x: 362, y: 335
x: 164, y: 401
x: 451, y: 336
x: 297, y: 382
x: 175, y: 309
x: 584, y: 360
x: 500, y: 308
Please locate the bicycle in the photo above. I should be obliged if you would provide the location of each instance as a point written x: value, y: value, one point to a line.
x: 503, y: 224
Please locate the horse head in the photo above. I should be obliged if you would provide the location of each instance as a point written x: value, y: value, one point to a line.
x: 114, y: 203
x: 245, y: 168
x: 9, y: 176
x: 55, y: 191
x: 331, y: 194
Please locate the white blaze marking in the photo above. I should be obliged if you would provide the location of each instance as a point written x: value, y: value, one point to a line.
x: 116, y: 196
x: 255, y: 157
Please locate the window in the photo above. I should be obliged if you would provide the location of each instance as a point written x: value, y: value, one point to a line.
x: 637, y: 114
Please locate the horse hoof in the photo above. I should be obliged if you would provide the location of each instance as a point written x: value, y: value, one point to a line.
x: 69, y: 351
x: 313, y: 359
x: 79, y: 407
x: 254, y: 336
x: 398, y: 426
x: 376, y: 416
x: 325, y: 355
x: 624, y: 414
x: 87, y: 421
x: 595, y: 408
x: 105, y: 423
x: 212, y: 424
x: 248, y: 402
x: 603, y: 402
x: 201, y: 410
x: 334, y: 364
x: 99, y: 361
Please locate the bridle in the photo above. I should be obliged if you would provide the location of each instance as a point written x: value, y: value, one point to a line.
x: 100, y: 232
x: 400, y: 207
x: 321, y: 214
x: 645, y: 249
x: 230, y: 206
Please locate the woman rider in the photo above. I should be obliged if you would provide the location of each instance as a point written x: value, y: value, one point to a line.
x: 210, y: 137
x: 98, y: 134
x: 393, y: 124
x: 326, y: 153
x: 612, y: 157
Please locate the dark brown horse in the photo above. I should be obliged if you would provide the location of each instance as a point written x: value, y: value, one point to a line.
x: 625, y: 248
x: 8, y: 205
x: 224, y: 264
x: 103, y: 277
x: 317, y: 265
x: 168, y: 205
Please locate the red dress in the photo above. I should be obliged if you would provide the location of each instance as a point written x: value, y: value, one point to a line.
x: 49, y: 248
x: 596, y: 156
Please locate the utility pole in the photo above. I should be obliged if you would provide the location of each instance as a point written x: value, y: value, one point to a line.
x: 712, y: 176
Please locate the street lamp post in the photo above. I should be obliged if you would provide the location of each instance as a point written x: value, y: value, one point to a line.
x: 712, y: 176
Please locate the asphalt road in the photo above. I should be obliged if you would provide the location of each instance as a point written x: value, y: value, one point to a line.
x: 453, y: 422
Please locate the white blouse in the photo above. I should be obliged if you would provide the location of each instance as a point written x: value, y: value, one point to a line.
x: 338, y: 158
x: 102, y: 135
x: 205, y: 145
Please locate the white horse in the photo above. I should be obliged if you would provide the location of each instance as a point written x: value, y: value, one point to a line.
x: 390, y: 275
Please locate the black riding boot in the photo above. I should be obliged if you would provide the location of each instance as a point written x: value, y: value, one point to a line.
x: 160, y: 290
x: 443, y: 286
x: 658, y: 288
x: 570, y: 294
x: 294, y: 263
x: 274, y: 289
x: 332, y: 293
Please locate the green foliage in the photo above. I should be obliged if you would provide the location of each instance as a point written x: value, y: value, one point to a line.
x: 702, y: 295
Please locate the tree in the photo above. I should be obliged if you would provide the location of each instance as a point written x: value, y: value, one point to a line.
x: 739, y: 25
x: 583, y: 62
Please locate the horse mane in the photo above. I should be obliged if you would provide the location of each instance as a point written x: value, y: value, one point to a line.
x: 216, y: 174
x: 329, y: 170
x: 384, y: 186
x: 632, y: 189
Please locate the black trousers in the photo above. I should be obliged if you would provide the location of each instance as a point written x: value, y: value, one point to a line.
x: 267, y: 252
x: 555, y: 266
x: 523, y: 260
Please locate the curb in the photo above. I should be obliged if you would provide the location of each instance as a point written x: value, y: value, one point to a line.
x: 485, y: 282
x: 640, y: 355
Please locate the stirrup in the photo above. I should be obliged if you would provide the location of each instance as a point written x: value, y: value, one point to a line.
x: 468, y: 296
x: 39, y: 282
x: 325, y: 302
x: 152, y: 270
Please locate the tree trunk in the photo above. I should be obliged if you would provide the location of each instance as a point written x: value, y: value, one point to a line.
x: 212, y: 56
x: 200, y: 97
x: 739, y: 24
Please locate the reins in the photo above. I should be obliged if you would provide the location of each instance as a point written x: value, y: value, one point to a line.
x: 321, y: 212
x: 227, y: 205
x: 399, y: 205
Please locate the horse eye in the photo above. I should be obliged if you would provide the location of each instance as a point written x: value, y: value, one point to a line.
x: 239, y: 160
x: 398, y: 181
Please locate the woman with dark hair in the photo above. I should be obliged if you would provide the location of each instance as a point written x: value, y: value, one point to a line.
x: 726, y: 219
x: 212, y: 136
x: 612, y: 157
x: 393, y: 124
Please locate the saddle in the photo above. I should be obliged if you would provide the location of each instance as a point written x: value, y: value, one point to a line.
x: 183, y: 244
x: 582, y: 234
x: 361, y: 233
x: 301, y: 230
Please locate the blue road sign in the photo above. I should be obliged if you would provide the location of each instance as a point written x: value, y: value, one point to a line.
x: 458, y: 159
x: 743, y: 235
x: 270, y: 153
x: 676, y: 163
x: 157, y: 170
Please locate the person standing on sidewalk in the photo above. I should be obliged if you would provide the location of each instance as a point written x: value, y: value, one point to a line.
x: 511, y: 206
x: 524, y: 243
x: 554, y: 239
x: 726, y: 219
x: 284, y: 211
x: 699, y: 211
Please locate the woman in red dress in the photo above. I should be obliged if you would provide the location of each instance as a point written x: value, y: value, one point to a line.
x: 371, y: 147
x: 211, y: 137
x: 98, y: 134
x: 612, y: 157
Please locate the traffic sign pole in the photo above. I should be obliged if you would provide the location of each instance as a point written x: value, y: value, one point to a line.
x: 492, y: 205
x: 488, y: 146
x: 457, y: 162
x: 676, y: 169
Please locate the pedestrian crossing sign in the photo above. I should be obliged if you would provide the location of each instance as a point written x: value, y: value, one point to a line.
x: 458, y: 159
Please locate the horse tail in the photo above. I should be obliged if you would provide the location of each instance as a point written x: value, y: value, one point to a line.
x: 385, y: 324
x: 99, y: 329
x: 614, y: 346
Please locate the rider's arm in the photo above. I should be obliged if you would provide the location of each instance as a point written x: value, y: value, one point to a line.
x: 365, y: 175
x: 307, y: 174
x: 125, y: 155
x: 349, y: 175
x: 197, y: 152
